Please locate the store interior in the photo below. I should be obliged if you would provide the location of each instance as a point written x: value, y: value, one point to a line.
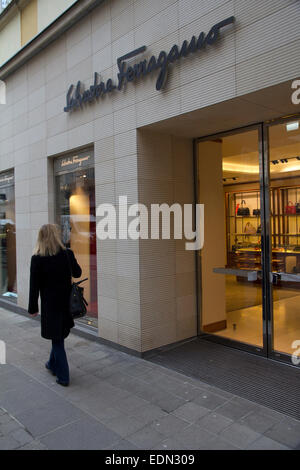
x: 229, y: 186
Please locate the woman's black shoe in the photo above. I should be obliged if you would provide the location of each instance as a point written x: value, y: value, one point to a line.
x: 49, y: 368
x: 64, y: 384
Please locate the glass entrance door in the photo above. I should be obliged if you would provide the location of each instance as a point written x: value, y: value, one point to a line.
x: 249, y: 266
x: 230, y: 265
x: 282, y: 146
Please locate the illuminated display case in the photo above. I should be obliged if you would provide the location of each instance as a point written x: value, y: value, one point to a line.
x: 243, y: 229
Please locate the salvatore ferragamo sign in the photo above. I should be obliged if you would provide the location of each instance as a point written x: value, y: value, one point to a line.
x: 77, y: 97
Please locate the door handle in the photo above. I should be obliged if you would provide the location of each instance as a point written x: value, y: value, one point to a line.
x: 250, y: 275
x: 275, y: 277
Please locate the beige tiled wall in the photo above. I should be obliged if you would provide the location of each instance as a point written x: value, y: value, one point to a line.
x: 147, y: 289
x: 167, y: 269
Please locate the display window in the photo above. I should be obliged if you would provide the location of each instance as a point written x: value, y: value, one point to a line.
x: 75, y: 214
x: 8, y: 271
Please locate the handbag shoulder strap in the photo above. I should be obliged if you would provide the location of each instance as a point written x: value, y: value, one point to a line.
x: 70, y: 266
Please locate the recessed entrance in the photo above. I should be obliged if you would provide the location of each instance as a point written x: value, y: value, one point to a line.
x: 249, y: 267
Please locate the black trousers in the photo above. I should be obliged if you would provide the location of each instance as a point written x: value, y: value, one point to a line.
x: 58, y: 361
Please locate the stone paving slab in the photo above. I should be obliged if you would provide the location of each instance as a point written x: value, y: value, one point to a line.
x: 117, y: 401
x: 13, y: 435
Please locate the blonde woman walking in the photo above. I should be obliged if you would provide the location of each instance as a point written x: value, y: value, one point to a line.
x: 51, y: 271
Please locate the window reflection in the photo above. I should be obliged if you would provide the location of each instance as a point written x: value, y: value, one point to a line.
x: 75, y: 213
x: 8, y: 277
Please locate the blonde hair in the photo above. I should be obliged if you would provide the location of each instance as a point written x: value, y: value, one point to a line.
x: 49, y: 241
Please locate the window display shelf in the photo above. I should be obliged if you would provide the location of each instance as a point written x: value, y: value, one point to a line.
x: 288, y: 215
x: 247, y: 234
x: 285, y: 228
x: 285, y: 234
x: 275, y: 250
x: 245, y: 216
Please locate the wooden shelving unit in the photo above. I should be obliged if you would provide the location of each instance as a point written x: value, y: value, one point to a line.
x: 244, y: 249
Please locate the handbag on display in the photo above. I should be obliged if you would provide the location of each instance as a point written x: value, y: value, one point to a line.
x: 290, y: 209
x: 297, y: 207
x: 243, y: 209
x: 249, y: 229
x: 256, y: 212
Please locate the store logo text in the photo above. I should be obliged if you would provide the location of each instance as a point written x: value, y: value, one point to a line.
x: 73, y: 161
x: 76, y: 97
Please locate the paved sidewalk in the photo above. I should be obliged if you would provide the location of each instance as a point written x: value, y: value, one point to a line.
x: 116, y: 401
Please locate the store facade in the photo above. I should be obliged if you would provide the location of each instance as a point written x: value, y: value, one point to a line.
x: 165, y: 102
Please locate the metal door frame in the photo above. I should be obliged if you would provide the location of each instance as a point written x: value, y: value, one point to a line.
x: 271, y: 353
x: 267, y: 297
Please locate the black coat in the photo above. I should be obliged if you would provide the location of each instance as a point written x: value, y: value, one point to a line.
x: 50, y: 276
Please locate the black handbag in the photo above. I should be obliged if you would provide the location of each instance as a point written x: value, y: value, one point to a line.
x: 256, y: 212
x: 77, y: 302
x: 243, y: 209
x: 297, y: 207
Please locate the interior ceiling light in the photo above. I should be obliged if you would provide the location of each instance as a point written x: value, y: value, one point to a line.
x: 240, y: 168
x: 292, y: 126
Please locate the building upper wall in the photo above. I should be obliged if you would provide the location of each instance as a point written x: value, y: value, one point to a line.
x: 49, y: 11
x: 260, y: 50
x: 22, y: 21
x: 10, y: 36
x: 29, y: 22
